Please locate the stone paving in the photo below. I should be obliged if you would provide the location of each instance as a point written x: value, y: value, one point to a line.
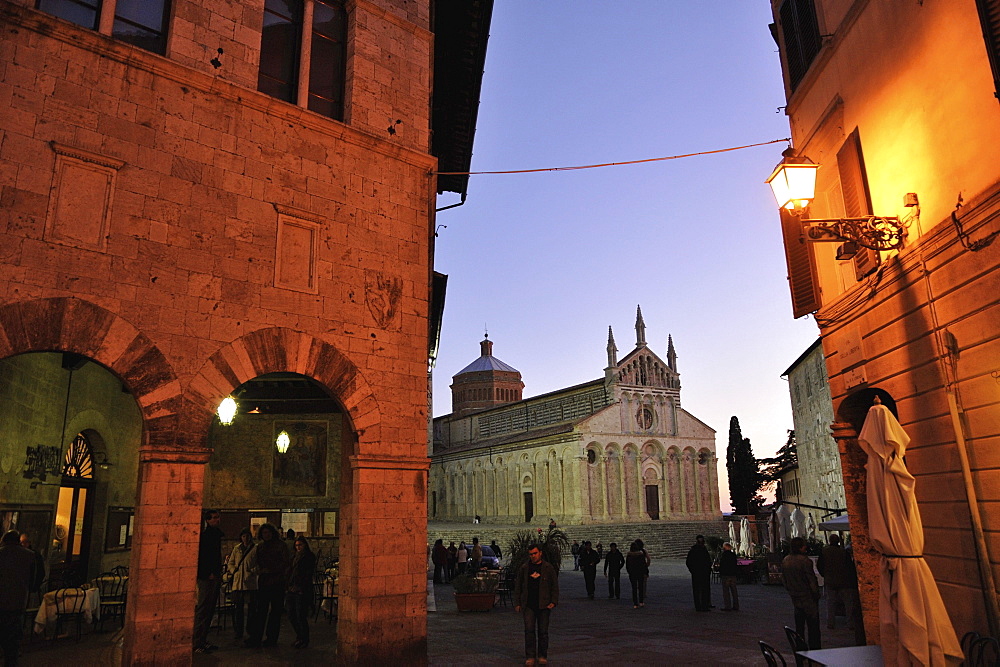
x: 666, y: 631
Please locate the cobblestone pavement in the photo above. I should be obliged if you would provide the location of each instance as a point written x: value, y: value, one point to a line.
x: 666, y: 631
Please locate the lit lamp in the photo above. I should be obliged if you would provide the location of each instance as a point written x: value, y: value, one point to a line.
x: 282, y: 442
x: 793, y: 183
x: 227, y: 410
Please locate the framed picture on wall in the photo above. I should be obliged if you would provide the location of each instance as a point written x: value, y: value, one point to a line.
x: 329, y: 523
x: 299, y: 470
x: 118, y: 536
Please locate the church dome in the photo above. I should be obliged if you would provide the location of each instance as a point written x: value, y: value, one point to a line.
x: 485, y: 383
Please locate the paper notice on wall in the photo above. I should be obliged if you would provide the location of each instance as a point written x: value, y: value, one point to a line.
x: 122, y: 535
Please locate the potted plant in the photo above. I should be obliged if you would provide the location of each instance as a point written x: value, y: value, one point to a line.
x: 476, y: 592
x: 552, y: 543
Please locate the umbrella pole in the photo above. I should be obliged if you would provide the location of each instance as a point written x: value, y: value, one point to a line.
x: 983, y: 560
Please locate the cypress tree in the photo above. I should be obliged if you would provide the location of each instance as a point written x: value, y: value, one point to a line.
x: 745, y: 479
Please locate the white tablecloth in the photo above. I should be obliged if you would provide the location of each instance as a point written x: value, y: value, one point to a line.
x: 47, y: 610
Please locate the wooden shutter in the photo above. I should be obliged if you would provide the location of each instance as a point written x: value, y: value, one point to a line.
x: 857, y: 200
x: 800, y: 30
x: 989, y: 17
x: 802, y: 279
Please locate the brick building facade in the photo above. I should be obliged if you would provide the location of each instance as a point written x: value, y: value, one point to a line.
x: 197, y: 194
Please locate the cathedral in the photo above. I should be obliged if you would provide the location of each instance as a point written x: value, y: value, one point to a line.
x: 616, y: 449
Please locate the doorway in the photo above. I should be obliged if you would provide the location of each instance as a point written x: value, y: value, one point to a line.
x: 74, y: 515
x: 653, y: 501
x: 529, y: 508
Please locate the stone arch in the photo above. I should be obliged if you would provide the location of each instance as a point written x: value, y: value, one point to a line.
x: 854, y: 408
x: 278, y: 349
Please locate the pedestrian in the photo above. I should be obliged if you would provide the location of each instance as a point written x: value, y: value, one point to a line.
x: 452, y: 560
x: 477, y: 519
x: 638, y: 572
x: 729, y: 569
x: 272, y: 578
x: 613, y: 565
x: 645, y: 554
x: 463, y: 557
x: 290, y: 535
x: 18, y: 567
x: 496, y: 549
x: 39, y: 575
x: 575, y: 550
x: 477, y: 555
x: 803, y: 588
x: 588, y: 563
x: 699, y: 564
x: 209, y: 579
x: 299, y: 598
x: 600, y: 550
x: 536, y: 593
x: 552, y: 524
x: 839, y: 581
x: 242, y: 567
x: 439, y: 556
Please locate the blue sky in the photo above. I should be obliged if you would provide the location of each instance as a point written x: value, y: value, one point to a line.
x: 548, y: 260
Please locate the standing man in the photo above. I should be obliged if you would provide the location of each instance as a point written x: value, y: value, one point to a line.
x: 699, y: 564
x: 39, y: 576
x: 729, y: 569
x: 801, y: 584
x: 839, y: 581
x: 209, y: 579
x: 477, y: 555
x: 588, y: 563
x: 614, y: 563
x: 439, y: 556
x: 496, y: 549
x: 18, y: 567
x: 273, y: 564
x: 536, y: 593
x: 452, y: 561
x: 575, y: 550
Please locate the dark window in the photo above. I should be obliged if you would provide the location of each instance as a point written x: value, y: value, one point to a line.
x: 801, y: 35
x: 279, y: 49
x: 81, y: 12
x: 857, y: 199
x: 142, y: 23
x: 989, y: 16
x: 326, y: 62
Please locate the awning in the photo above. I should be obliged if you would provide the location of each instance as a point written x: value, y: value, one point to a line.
x: 836, y: 523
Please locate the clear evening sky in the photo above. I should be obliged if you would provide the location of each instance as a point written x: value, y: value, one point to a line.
x: 547, y: 261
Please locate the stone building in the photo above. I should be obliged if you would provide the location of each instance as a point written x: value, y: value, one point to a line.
x: 897, y: 104
x: 201, y: 199
x: 819, y: 478
x: 616, y: 449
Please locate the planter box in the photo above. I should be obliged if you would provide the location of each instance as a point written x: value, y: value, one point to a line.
x: 475, y: 601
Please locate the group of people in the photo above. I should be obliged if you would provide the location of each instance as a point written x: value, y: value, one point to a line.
x: 451, y: 561
x: 587, y: 557
x: 264, y: 581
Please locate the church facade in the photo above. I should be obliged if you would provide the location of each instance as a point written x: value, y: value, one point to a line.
x: 616, y: 449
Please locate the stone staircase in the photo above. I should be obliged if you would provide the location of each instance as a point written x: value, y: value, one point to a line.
x: 663, y: 539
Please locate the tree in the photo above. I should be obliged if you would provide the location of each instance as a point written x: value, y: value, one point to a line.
x: 785, y: 458
x: 745, y: 479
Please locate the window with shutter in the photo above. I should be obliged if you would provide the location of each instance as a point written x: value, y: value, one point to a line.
x: 989, y: 16
x: 800, y: 30
x: 857, y: 200
x: 802, y: 279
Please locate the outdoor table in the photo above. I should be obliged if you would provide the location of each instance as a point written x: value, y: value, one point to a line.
x: 47, y: 610
x: 849, y: 656
x: 330, y: 586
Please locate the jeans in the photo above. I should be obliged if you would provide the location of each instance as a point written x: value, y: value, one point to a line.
x: 267, y: 613
x: 576, y: 561
x: 589, y: 576
x: 208, y: 598
x: 848, y: 596
x: 242, y: 600
x: 808, y: 616
x: 730, y: 596
x: 614, y: 583
x: 638, y: 589
x: 298, y: 606
x: 533, y: 618
x: 440, y: 573
x: 701, y: 583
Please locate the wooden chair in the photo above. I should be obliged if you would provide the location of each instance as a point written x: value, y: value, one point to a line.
x: 968, y: 639
x: 798, y: 643
x: 112, y: 588
x: 331, y: 601
x: 120, y: 570
x: 224, y: 605
x: 985, y: 652
x: 34, y: 603
x: 70, y: 604
x: 505, y: 589
x: 771, y: 655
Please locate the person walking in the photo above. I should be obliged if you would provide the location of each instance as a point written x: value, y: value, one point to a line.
x: 242, y: 567
x: 439, y: 556
x: 802, y: 587
x: 452, y: 561
x: 463, y: 557
x: 272, y: 577
x: 839, y: 581
x: 575, y: 550
x: 588, y: 563
x: 18, y: 567
x: 299, y: 598
x: 699, y: 564
x: 477, y: 555
x: 536, y: 593
x: 613, y: 565
x: 209, y: 579
x: 729, y: 569
x: 638, y: 572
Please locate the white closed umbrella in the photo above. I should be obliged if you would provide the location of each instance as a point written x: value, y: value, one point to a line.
x: 811, y: 527
x: 732, y: 537
x: 745, y: 543
x: 784, y: 523
x: 798, y: 523
x: 915, y: 627
x: 773, y: 543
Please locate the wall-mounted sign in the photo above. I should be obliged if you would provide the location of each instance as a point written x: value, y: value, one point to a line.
x: 41, y: 461
x: 851, y: 350
x: 855, y: 377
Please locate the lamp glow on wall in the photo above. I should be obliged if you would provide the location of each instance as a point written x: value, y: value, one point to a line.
x: 227, y: 411
x: 793, y: 183
x: 282, y: 442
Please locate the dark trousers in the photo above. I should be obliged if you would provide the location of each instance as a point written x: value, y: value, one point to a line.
x: 589, y: 575
x: 614, y: 583
x: 298, y: 614
x: 730, y: 596
x: 242, y: 600
x: 808, y: 618
x: 266, y: 613
x: 701, y: 583
x: 440, y: 573
x: 11, y: 623
x: 208, y: 598
x: 638, y: 589
x: 536, y: 618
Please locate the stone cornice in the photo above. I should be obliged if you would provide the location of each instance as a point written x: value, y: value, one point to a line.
x: 389, y: 462
x: 86, y: 156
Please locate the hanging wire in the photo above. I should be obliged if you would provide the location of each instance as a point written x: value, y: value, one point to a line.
x: 607, y: 164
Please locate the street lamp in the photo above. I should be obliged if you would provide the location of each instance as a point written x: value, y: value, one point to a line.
x: 227, y: 411
x: 282, y: 442
x: 793, y: 183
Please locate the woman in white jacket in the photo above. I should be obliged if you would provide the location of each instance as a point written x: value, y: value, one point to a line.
x: 242, y: 566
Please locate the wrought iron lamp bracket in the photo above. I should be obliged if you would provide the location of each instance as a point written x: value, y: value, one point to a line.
x: 875, y: 232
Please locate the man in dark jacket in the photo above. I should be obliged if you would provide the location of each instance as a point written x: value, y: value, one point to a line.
x: 18, y: 567
x: 840, y: 580
x: 273, y: 565
x: 209, y: 579
x: 613, y: 565
x: 588, y: 563
x: 536, y: 593
x: 802, y: 587
x: 39, y: 576
x: 699, y: 564
x: 729, y: 569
